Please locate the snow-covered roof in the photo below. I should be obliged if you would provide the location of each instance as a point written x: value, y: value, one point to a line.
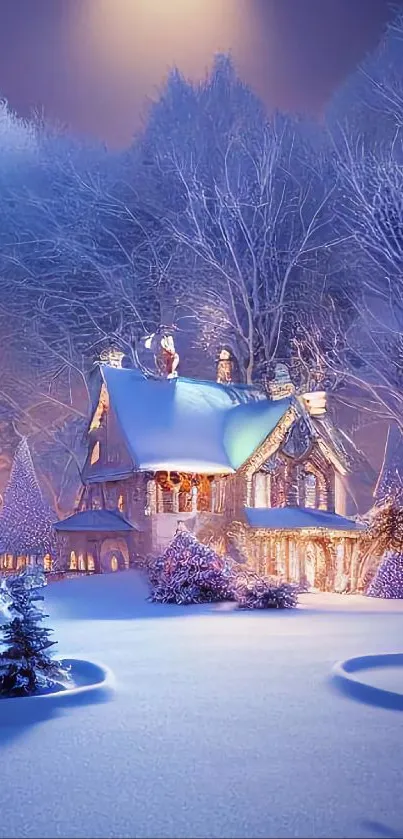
x: 189, y: 425
x: 95, y: 520
x: 294, y: 518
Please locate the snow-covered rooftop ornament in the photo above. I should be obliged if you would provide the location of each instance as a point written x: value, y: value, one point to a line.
x: 113, y: 357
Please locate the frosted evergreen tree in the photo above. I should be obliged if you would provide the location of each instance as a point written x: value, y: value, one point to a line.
x: 25, y: 665
x: 190, y: 572
x: 26, y: 519
x: 388, y: 580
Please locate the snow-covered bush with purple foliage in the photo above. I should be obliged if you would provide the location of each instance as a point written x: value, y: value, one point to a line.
x: 190, y: 572
x: 252, y: 591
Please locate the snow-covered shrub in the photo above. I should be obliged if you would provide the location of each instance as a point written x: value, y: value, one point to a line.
x: 190, y: 572
x: 25, y: 665
x: 388, y: 579
x: 254, y: 592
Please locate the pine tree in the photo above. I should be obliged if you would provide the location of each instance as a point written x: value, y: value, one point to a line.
x: 190, y: 572
x: 26, y: 519
x: 25, y: 666
x: 386, y: 528
x: 388, y: 579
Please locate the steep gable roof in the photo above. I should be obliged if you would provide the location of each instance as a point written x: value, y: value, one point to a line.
x: 189, y: 425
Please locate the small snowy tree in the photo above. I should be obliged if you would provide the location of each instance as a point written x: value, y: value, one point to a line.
x: 189, y: 572
x: 26, y: 520
x: 254, y: 592
x: 25, y: 665
x: 386, y: 528
x: 388, y: 580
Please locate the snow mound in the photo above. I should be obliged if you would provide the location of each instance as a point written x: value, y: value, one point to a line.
x: 344, y: 676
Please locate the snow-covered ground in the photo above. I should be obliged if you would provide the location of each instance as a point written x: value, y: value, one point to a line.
x: 223, y: 724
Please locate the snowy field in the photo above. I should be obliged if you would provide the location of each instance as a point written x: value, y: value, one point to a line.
x: 223, y: 724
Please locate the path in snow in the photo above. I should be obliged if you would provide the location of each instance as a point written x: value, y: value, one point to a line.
x: 224, y: 724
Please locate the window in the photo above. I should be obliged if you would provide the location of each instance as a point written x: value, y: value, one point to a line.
x: 73, y: 561
x: 121, y: 504
x: 262, y: 489
x: 47, y: 562
x: 90, y: 563
x: 310, y: 490
x: 114, y: 563
x: 81, y: 563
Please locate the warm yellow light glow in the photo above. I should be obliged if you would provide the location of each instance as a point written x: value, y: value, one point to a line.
x: 128, y: 47
x: 47, y: 562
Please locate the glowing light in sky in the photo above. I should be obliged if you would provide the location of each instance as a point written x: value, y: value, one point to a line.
x: 132, y: 44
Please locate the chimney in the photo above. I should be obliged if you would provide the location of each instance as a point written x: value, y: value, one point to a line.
x: 112, y: 357
x: 225, y: 367
x: 315, y: 402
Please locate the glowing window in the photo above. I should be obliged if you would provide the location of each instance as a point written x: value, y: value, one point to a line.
x: 121, y: 503
x: 81, y: 562
x: 95, y: 454
x: 114, y: 563
x: 47, y: 562
x: 73, y: 561
x: 90, y: 563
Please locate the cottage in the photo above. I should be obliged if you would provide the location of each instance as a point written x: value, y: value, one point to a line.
x: 260, y: 474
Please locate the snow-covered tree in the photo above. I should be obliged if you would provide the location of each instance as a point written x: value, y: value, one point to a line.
x: 25, y: 665
x: 252, y: 591
x: 26, y: 519
x: 388, y: 579
x: 189, y: 572
x: 245, y: 210
x: 365, y: 124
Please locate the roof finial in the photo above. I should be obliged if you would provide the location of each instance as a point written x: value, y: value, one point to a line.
x: 112, y: 356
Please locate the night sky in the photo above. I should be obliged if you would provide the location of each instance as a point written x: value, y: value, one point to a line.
x: 91, y: 64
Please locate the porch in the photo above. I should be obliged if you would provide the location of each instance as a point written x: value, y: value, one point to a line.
x: 311, y: 547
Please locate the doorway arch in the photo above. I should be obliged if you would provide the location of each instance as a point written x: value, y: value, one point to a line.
x: 114, y: 555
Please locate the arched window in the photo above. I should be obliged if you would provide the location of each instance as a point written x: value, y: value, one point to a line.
x: 73, y: 561
x: 262, y: 489
x: 90, y: 563
x: 121, y: 503
x: 114, y: 563
x: 81, y: 563
x: 310, y: 485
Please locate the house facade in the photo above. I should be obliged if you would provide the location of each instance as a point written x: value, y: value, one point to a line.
x: 258, y: 475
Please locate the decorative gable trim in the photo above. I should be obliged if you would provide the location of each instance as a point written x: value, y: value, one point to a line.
x: 331, y: 456
x: 269, y: 446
